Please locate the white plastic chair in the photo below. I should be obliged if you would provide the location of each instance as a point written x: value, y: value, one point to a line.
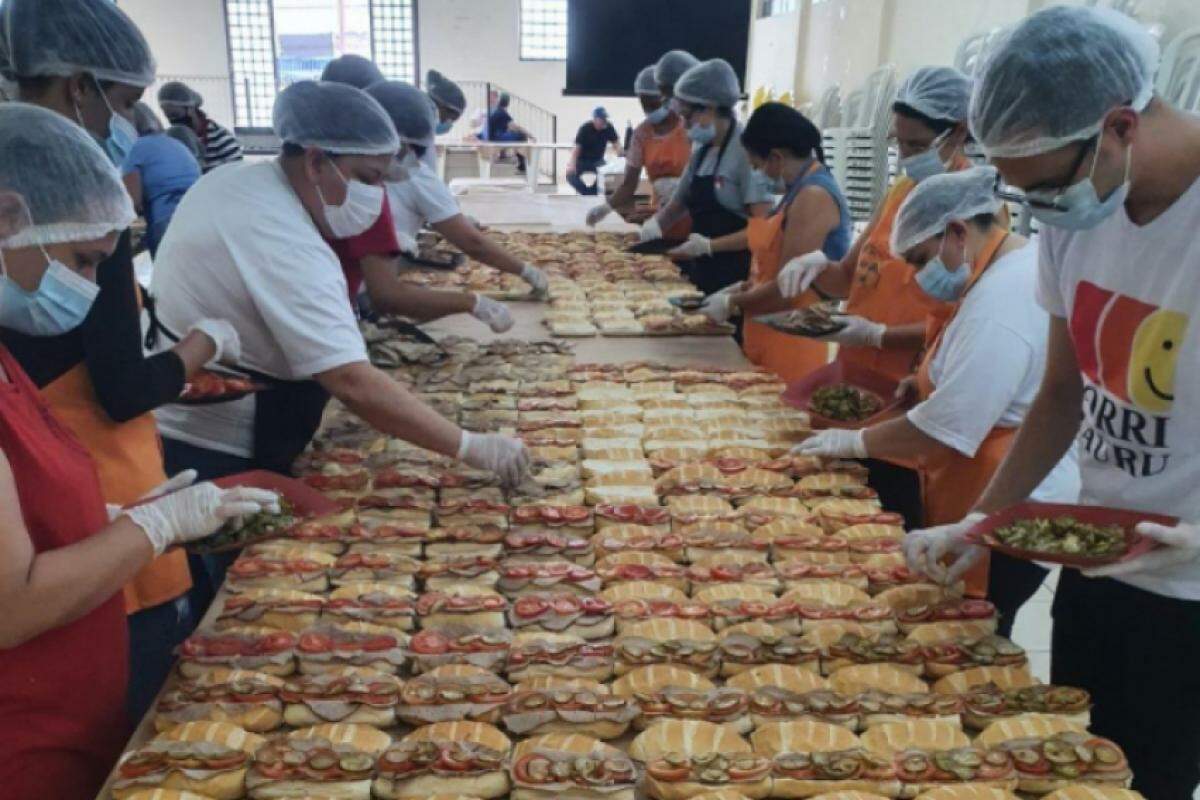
x: 1179, y: 73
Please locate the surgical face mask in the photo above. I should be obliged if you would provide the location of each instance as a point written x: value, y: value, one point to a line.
x: 58, y: 305
x: 1079, y: 207
x: 658, y: 115
x: 121, y: 132
x: 940, y: 282
x: 925, y: 164
x: 359, y: 211
x: 702, y: 134
x: 443, y: 128
x: 774, y: 185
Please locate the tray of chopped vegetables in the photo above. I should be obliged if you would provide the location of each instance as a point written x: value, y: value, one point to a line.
x: 1079, y: 536
x: 298, y: 501
x: 841, y: 395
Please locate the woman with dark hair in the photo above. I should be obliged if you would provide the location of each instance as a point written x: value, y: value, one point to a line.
x: 785, y: 147
x: 157, y: 172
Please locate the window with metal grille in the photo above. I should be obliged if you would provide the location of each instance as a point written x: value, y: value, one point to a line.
x: 769, y: 8
x: 543, y: 27
x: 251, y: 61
x: 274, y: 43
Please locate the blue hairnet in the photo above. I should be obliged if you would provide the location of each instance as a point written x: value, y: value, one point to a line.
x: 672, y: 65
x: 71, y: 188
x: 445, y: 92
x: 941, y: 93
x: 411, y: 110
x: 941, y: 199
x: 334, y: 117
x: 178, y: 95
x: 353, y: 70
x: 711, y: 83
x: 1051, y: 79
x: 63, y: 37
x: 645, y: 85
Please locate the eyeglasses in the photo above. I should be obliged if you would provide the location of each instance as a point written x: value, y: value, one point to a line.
x: 1050, y: 199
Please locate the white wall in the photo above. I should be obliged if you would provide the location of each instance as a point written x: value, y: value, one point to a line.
x: 774, y: 52
x: 188, y: 40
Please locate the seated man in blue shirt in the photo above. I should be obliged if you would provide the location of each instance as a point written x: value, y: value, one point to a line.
x: 501, y: 128
x: 591, y: 141
x: 157, y: 172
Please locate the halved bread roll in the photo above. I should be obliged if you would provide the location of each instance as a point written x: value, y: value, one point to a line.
x: 793, y: 679
x: 719, y: 592
x: 369, y: 602
x: 453, y: 691
x: 1003, y: 677
x: 219, y: 733
x: 698, y: 505
x: 553, y: 705
x: 597, y: 667
x: 679, y: 760
x: 826, y: 593
x: 932, y: 633
x: 643, y: 590
x: 595, y: 771
x: 491, y: 783
x: 1025, y: 726
x: 661, y: 569
x: 751, y: 644
x: 777, y: 506
x: 445, y: 615
x: 659, y: 676
x: 638, y: 538
x: 884, y: 677
x: 283, y: 609
x: 899, y: 598
x: 803, y: 739
x: 1094, y: 793
x: 657, y: 641
x: 687, y: 737
x: 361, y: 737
x: 164, y: 794
x: 891, y: 738
x: 967, y: 791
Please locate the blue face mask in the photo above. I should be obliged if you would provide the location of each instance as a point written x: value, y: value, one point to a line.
x: 658, y: 115
x: 702, y: 134
x: 59, y: 304
x: 1079, y: 207
x: 773, y: 185
x: 925, y: 164
x: 443, y: 128
x: 942, y: 283
x: 121, y: 133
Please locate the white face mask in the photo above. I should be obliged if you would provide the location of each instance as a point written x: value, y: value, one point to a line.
x: 358, y: 212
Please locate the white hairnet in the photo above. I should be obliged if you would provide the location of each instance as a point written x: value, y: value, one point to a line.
x: 353, y: 70
x: 1051, y: 79
x: 411, y: 110
x: 179, y: 95
x: 941, y: 93
x: 645, y: 84
x: 445, y: 92
x: 71, y: 188
x: 941, y: 199
x: 334, y: 117
x: 711, y: 83
x: 672, y: 65
x: 63, y: 37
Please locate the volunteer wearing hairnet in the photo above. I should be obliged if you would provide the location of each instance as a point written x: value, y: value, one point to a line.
x: 352, y: 70
x: 157, y: 172
x: 719, y: 189
x: 371, y: 258
x: 886, y: 311
x: 182, y: 105
x: 980, y: 372
x: 1065, y: 108
x: 250, y: 240
x: 449, y: 99
x: 785, y: 147
x: 87, y: 61
x: 660, y: 144
x: 64, y: 556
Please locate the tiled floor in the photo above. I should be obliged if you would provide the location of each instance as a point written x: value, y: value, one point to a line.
x: 1032, y: 630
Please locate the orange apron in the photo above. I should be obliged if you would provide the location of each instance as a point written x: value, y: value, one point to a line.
x: 789, y: 357
x: 951, y: 483
x: 129, y: 460
x: 666, y: 156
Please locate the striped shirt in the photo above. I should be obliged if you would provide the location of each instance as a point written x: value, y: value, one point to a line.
x: 220, y: 146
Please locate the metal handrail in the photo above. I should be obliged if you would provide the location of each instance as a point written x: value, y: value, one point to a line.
x: 541, y: 123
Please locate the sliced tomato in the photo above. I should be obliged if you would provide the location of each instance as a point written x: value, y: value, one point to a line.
x: 429, y: 643
x: 529, y: 607
x: 221, y: 646
x: 135, y: 769
x: 662, y: 771
x: 272, y: 771
x: 376, y: 644
x: 315, y: 643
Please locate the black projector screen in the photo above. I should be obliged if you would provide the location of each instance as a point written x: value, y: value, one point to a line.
x: 609, y: 41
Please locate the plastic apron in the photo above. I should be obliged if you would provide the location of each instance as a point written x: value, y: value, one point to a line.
x: 710, y: 218
x: 789, y: 357
x: 951, y: 483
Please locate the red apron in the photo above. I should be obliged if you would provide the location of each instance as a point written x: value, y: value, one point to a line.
x: 951, y: 483
x: 62, y: 694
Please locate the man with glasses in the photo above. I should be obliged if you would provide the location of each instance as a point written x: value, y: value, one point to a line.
x: 1065, y: 108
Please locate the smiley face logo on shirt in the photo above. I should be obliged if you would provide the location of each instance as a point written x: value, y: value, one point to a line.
x: 1152, y: 360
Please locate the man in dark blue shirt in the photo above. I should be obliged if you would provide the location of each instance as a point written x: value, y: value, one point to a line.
x: 501, y: 128
x: 591, y: 141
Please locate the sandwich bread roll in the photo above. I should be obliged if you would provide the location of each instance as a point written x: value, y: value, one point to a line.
x: 967, y: 791
x: 1094, y: 793
x: 684, y: 758
x: 891, y: 738
x: 796, y: 748
x: 882, y: 677
x: 1003, y: 677
x: 570, y: 767
x: 485, y: 776
x: 218, y: 733
x: 361, y: 737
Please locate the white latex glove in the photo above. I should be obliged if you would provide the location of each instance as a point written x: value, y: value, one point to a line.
x: 408, y: 244
x: 650, y: 230
x: 492, y: 313
x: 859, y: 332
x: 196, y: 512
x: 535, y: 278
x: 799, y: 273
x: 224, y: 337
x: 833, y: 442
x: 180, y: 481
x: 597, y: 213
x: 696, y: 246
x: 503, y: 455
x: 718, y: 306
x: 1182, y: 547
x: 924, y: 550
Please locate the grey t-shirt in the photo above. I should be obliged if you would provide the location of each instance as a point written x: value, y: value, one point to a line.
x: 737, y: 185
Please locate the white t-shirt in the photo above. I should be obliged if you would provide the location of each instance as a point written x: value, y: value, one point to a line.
x: 1128, y: 293
x: 423, y: 198
x: 989, y: 366
x: 241, y: 247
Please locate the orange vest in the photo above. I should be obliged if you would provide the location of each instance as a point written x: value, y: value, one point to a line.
x: 789, y: 357
x: 951, y: 483
x: 129, y: 460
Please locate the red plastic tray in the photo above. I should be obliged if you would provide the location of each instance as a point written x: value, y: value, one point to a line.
x: 305, y: 500
x: 799, y: 393
x: 981, y: 533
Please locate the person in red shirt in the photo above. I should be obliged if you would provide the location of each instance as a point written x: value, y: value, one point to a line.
x: 372, y: 258
x: 64, y: 555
